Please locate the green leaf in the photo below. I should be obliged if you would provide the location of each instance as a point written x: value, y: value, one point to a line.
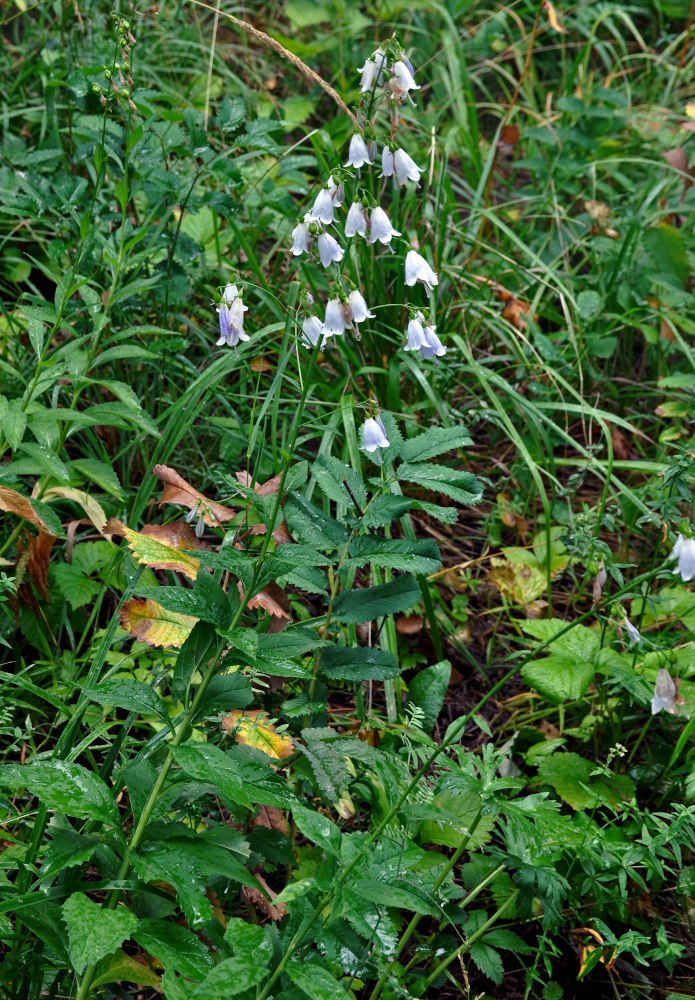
x: 225, y: 692
x: 579, y: 641
x: 317, y: 828
x: 311, y: 526
x: 197, y: 649
x: 269, y: 788
x: 66, y: 788
x: 46, y: 461
x: 358, y: 663
x: 449, y: 832
x: 211, y: 597
x: 377, y: 891
x: 192, y: 602
x: 399, y: 594
x: 248, y: 940
x: 174, y: 946
x: 558, y: 678
x: 229, y: 978
x: 488, y: 961
x: 66, y: 849
x: 132, y: 695
x: 231, y: 113
x: 14, y: 423
x: 93, y: 931
x: 571, y: 777
x: 206, y: 762
x: 317, y: 982
x: 45, y: 920
x: 385, y: 510
x: 427, y: 691
x: 394, y: 553
x: 76, y: 588
x: 120, y: 967
x: 98, y: 472
x: 167, y: 863
x: 329, y: 473
x: 434, y: 441
x: 461, y: 486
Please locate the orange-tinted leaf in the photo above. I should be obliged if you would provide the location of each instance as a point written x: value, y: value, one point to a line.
x: 553, y: 18
x: 150, y: 622
x: 178, y: 491
x: 151, y: 552
x: 251, y: 729
x: 256, y: 898
x: 271, y: 486
x: 15, y: 503
x: 38, y: 559
x: 273, y: 600
x: 178, y: 534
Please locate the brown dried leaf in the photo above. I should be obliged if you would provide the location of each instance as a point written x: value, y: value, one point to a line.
x: 256, y: 898
x: 282, y: 535
x: 91, y: 507
x: 178, y: 534
x: 38, y: 559
x: 409, y: 624
x: 271, y: 818
x: 272, y: 599
x: 15, y: 503
x: 508, y: 140
x: 621, y: 446
x: 178, y: 491
x: 553, y: 18
x: 271, y: 486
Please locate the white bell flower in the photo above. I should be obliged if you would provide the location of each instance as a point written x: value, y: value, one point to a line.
x: 302, y: 236
x: 323, y: 207
x: 232, y: 318
x: 387, y: 166
x: 372, y: 71
x: 230, y: 293
x: 417, y: 269
x: 684, y: 551
x: 666, y: 695
x: 632, y: 633
x: 433, y: 347
x: 406, y: 168
x: 312, y: 329
x: 415, y: 334
x: 329, y: 249
x: 358, y: 307
x: 358, y: 154
x: 335, y: 322
x: 380, y: 227
x: 374, y: 436
x: 356, y: 221
x: 403, y: 73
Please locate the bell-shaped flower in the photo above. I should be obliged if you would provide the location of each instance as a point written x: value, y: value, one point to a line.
x: 415, y: 334
x: 359, y: 310
x: 432, y: 347
x: 358, y: 154
x: 335, y: 322
x: 312, y: 330
x: 356, y: 221
x: 374, y: 437
x: 405, y: 168
x: 380, y: 227
x: 230, y: 293
x: 633, y: 633
x: 403, y: 73
x: 302, y: 236
x: 417, y: 269
x: 684, y: 551
x: 323, y: 207
x: 387, y: 166
x: 329, y: 249
x: 666, y: 695
x: 232, y: 319
x: 336, y: 191
x: 372, y: 71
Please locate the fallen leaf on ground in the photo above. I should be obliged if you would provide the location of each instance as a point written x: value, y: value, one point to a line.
x: 256, y: 898
x: 15, y: 503
x: 38, y: 559
x: 148, y: 621
x: 272, y: 599
x: 271, y: 486
x: 177, y: 490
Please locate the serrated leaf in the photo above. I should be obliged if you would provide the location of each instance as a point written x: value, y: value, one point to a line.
x: 358, y: 663
x: 461, y: 486
x: 428, y: 690
x: 47, y: 462
x: 248, y: 940
x: 66, y: 849
x: 383, y: 510
x: 417, y: 556
x: 317, y: 828
x: 378, y: 891
x: 100, y: 473
x: 329, y: 473
x: 488, y: 961
x: 465, y: 806
x: 132, y: 695
x: 559, y: 678
x: 231, y: 977
x: 208, y: 763
x: 173, y: 864
x: 14, y: 423
x: 64, y: 787
x: 150, y: 622
x: 399, y: 594
x: 311, y: 526
x: 93, y: 931
x: 252, y: 729
x: 75, y: 587
x: 174, y: 946
x: 317, y: 982
x: 434, y: 441
x: 151, y: 552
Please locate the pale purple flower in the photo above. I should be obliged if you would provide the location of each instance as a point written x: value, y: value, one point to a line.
x: 665, y: 694
x: 415, y: 334
x: 417, y: 269
x: 405, y: 167
x: 335, y: 322
x: 312, y: 329
x: 433, y: 347
x: 358, y: 307
x: 358, y: 154
x: 403, y: 73
x: 303, y: 236
x: 632, y: 633
x: 231, y: 312
x: 329, y: 249
x: 323, y: 207
x: 374, y: 436
x: 356, y: 221
x: 684, y: 551
x: 380, y: 227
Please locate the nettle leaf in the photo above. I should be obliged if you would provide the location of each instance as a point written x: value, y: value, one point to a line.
x: 319, y: 829
x: 461, y: 486
x: 66, y: 788
x: 434, y: 441
x: 231, y: 977
x: 355, y: 606
x: 559, y: 678
x: 66, y: 849
x: 75, y: 587
x: 427, y: 691
x: 330, y: 474
x: 248, y: 940
x: 317, y: 982
x: 488, y: 961
x: 93, y: 931
x: 394, y: 553
x: 311, y: 526
x: 206, y: 762
x: 358, y: 663
x: 175, y: 947
x: 383, y: 510
x: 150, y: 622
x: 165, y: 862
x: 132, y: 695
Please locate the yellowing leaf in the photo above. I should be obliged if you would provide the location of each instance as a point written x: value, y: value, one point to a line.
x: 249, y: 728
x: 91, y: 507
x: 553, y: 18
x: 16, y: 503
x: 154, y: 553
x: 150, y: 622
x: 690, y: 110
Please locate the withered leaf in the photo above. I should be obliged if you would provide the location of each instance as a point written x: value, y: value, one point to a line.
x: 38, y: 559
x: 178, y: 491
x: 15, y: 503
x: 256, y: 898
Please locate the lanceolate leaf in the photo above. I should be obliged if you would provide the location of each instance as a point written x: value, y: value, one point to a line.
x: 395, y: 553
x: 434, y: 441
x: 461, y: 486
x: 132, y: 695
x: 64, y: 787
x: 316, y: 982
x: 358, y: 663
x: 150, y: 622
x: 356, y: 606
x: 206, y: 762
